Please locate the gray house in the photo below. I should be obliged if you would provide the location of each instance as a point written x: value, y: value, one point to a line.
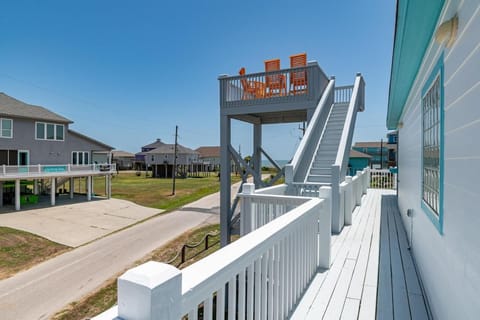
x: 37, y: 144
x: 161, y: 160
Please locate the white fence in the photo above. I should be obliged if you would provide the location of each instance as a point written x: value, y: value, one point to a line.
x: 383, y: 179
x: 262, y: 275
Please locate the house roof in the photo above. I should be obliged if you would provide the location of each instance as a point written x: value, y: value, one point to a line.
x: 12, y: 107
x: 170, y: 149
x: 101, y: 144
x: 122, y: 154
x: 414, y: 27
x: 155, y: 144
x: 209, y: 152
x: 358, y: 154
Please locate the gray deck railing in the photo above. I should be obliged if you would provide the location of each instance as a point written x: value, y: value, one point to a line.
x: 234, y: 92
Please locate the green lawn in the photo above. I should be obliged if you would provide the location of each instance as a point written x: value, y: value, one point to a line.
x: 157, y: 192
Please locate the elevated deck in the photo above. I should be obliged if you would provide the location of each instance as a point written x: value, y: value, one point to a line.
x: 262, y: 104
x: 372, y: 274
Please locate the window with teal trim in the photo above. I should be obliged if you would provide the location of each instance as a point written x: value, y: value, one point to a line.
x: 432, y: 145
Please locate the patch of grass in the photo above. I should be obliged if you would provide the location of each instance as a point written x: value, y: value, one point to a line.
x: 157, y: 192
x: 106, y: 297
x: 21, y: 250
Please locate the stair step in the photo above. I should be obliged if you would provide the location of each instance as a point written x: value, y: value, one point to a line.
x: 321, y: 171
x: 319, y: 178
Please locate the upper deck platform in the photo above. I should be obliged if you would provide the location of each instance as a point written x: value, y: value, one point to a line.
x: 273, y: 97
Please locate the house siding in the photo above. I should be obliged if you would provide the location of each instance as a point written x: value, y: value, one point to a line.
x: 45, y: 151
x: 449, y: 262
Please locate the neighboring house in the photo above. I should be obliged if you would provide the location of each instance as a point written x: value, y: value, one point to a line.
x: 383, y: 154
x: 161, y: 160
x: 358, y: 161
x: 37, y: 144
x: 140, y: 156
x: 123, y: 160
x: 210, y: 157
x: 392, y: 137
x: 434, y: 104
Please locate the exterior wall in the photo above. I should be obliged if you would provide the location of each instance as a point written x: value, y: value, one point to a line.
x: 45, y: 151
x: 182, y: 158
x: 449, y: 263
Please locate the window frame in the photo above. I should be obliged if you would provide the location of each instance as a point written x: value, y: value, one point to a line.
x: 436, y: 73
x: 11, y: 128
x: 80, y: 157
x: 45, y: 130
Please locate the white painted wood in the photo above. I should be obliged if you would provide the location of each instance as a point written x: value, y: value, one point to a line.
x: 241, y: 295
x: 337, y: 300
x: 350, y: 309
x: 232, y: 291
x: 221, y: 302
x: 207, y: 308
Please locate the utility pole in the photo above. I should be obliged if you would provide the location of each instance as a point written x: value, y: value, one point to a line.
x: 302, y: 129
x: 381, y: 154
x: 174, y: 171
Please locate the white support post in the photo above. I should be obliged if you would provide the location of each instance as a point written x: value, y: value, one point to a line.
x: 72, y: 187
x: 347, y: 219
x: 53, y: 189
x: 324, y: 228
x: 89, y: 188
x: 246, y: 218
x: 337, y: 218
x: 348, y: 199
x: 368, y: 178
x: 395, y: 181
x: 358, y: 189
x: 1, y: 194
x: 151, y: 291
x: 225, y: 180
x: 92, y: 187
x: 109, y: 191
x: 4, y: 169
x: 35, y: 186
x: 288, y: 174
x: 17, y: 194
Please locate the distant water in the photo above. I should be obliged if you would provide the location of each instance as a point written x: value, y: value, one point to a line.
x: 281, y: 163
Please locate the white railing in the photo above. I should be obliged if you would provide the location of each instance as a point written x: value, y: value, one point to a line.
x: 343, y: 94
x: 308, y: 144
x: 259, y: 208
x: 383, y: 179
x: 260, y: 276
x: 42, y: 170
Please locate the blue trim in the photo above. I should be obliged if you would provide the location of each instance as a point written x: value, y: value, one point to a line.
x: 436, y: 220
x: 414, y: 28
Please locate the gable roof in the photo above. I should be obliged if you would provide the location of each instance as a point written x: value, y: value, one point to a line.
x: 170, y: 149
x: 12, y: 107
x: 122, y: 154
x: 209, y: 152
x: 101, y: 144
x: 358, y: 154
x: 155, y: 144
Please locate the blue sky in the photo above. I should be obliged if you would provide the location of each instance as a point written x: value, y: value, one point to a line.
x: 127, y: 72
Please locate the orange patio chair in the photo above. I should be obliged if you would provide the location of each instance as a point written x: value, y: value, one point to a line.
x: 298, y: 79
x: 275, y: 84
x: 251, y: 89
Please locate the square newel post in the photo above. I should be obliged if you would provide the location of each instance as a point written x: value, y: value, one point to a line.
x: 348, y: 200
x: 246, y: 218
x: 324, y: 228
x: 72, y: 187
x: 53, y: 189
x: 225, y: 180
x: 358, y: 190
x: 89, y: 188
x: 337, y: 217
x: 150, y: 291
x: 17, y: 194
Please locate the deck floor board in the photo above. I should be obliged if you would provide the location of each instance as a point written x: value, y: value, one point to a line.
x: 372, y: 273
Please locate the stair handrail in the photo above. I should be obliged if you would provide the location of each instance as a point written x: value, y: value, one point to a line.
x: 314, y: 127
x: 357, y: 103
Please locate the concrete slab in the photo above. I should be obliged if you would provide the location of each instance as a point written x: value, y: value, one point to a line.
x: 75, y: 224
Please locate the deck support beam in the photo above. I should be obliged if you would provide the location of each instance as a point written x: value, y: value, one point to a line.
x: 225, y: 180
x: 35, y: 186
x: 17, y: 194
x: 89, y: 188
x: 53, y: 189
x: 72, y: 187
x: 257, y: 154
x: 1, y: 194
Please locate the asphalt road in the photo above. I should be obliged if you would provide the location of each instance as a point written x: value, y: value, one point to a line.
x: 43, y: 290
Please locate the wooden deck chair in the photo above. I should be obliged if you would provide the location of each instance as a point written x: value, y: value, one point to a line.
x: 275, y: 84
x: 251, y: 89
x: 298, y: 79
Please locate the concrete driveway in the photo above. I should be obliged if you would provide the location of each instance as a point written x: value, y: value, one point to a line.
x: 78, y: 223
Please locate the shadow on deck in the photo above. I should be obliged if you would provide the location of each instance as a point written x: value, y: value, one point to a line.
x: 372, y: 274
